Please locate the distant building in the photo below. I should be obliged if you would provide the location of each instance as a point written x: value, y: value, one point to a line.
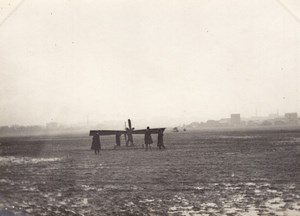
x: 235, y: 119
x: 193, y: 125
x: 279, y: 122
x: 225, y: 121
x: 273, y: 116
x: 212, y: 123
x: 266, y: 123
x: 52, y: 125
x: 252, y: 123
x: 291, y: 118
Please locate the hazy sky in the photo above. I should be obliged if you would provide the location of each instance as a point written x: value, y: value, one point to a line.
x: 172, y: 60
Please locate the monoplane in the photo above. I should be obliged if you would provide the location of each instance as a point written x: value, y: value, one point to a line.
x: 128, y: 133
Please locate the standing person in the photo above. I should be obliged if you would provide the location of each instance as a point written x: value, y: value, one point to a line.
x: 118, y: 139
x: 96, y: 144
x: 160, y: 139
x: 148, y: 139
x: 129, y: 137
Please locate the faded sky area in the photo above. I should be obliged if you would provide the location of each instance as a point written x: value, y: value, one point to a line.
x: 162, y: 62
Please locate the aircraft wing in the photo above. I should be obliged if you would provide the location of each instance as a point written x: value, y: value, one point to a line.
x: 107, y: 132
x: 114, y: 132
x: 143, y: 131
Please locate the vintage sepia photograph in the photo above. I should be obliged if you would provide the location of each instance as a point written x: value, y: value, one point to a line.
x: 150, y: 107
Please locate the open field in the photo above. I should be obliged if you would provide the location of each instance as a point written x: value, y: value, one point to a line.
x: 200, y: 173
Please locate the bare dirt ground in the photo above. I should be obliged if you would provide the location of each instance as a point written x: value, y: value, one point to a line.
x: 200, y: 173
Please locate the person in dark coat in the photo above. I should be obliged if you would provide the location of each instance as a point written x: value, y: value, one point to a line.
x: 129, y: 137
x: 160, y: 140
x: 148, y: 139
x: 96, y: 144
x: 118, y: 139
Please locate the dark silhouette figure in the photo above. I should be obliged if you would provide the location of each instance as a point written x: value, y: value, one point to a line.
x: 118, y: 139
x: 148, y: 139
x: 160, y: 140
x: 129, y: 137
x: 96, y: 144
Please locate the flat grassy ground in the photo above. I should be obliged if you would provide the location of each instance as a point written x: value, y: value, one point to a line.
x: 200, y: 173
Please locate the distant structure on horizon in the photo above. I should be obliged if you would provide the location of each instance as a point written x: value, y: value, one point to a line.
x: 291, y: 118
x: 235, y: 119
x: 52, y: 125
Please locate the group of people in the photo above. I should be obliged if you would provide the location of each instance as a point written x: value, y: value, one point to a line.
x: 160, y: 139
x: 96, y: 144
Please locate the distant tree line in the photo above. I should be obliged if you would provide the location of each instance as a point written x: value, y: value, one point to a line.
x: 21, y: 130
